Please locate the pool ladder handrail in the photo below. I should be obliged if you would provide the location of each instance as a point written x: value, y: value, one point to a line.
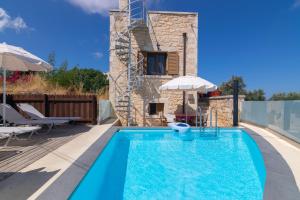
x: 199, y: 111
x: 201, y: 128
x: 216, y: 120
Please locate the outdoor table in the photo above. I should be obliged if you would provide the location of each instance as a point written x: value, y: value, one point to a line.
x: 190, y: 118
x: 183, y: 118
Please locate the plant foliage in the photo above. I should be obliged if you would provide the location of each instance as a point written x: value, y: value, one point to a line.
x: 227, y: 89
x: 75, y: 78
x: 255, y: 95
x: 285, y: 96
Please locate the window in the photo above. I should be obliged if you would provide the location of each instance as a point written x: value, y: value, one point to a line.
x: 156, y: 63
x: 156, y: 108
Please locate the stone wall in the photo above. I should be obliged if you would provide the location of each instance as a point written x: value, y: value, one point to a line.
x: 165, y: 34
x: 224, y: 107
x: 123, y: 4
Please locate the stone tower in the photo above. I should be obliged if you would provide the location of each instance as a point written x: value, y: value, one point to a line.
x: 123, y: 4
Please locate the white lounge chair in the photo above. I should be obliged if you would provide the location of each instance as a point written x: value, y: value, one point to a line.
x: 170, y: 118
x: 33, y: 113
x: 12, y: 132
x: 13, y: 117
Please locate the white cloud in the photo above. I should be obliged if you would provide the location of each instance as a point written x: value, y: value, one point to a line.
x: 95, y: 6
x: 98, y: 55
x: 7, y: 22
x: 102, y: 6
x: 296, y: 4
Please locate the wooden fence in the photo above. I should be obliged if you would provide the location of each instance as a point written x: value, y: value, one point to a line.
x: 83, y: 106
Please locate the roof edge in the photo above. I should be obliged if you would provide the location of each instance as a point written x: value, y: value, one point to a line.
x: 173, y: 12
x: 162, y: 12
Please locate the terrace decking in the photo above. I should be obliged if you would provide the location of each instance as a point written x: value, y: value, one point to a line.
x: 23, y: 152
x: 29, y: 168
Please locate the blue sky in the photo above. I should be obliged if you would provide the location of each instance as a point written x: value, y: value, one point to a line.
x: 257, y: 39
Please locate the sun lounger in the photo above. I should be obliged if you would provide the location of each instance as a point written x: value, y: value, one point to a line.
x: 170, y: 118
x: 13, y: 117
x: 33, y: 113
x: 12, y: 132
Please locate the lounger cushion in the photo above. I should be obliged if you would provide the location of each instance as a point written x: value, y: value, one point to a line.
x: 12, y: 116
x: 6, y: 132
x: 35, y: 114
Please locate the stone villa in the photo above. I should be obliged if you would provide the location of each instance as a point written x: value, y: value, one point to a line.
x: 148, y: 49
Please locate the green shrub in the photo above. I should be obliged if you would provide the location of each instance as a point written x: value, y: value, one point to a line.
x: 89, y: 80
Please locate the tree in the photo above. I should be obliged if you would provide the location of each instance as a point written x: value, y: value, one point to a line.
x: 52, y: 58
x: 89, y: 80
x: 285, y: 96
x: 255, y: 95
x: 64, y: 66
x: 75, y: 78
x: 227, y: 89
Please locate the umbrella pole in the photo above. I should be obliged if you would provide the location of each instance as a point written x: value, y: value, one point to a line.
x: 185, y: 108
x: 197, y: 109
x: 4, y: 97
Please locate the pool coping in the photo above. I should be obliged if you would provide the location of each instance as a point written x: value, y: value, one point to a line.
x: 64, y: 186
x: 55, y: 175
x: 281, y: 161
x: 280, y: 182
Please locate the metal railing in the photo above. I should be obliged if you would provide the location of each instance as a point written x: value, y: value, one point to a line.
x: 137, y: 12
x: 137, y: 17
x: 199, y: 114
x: 216, y: 120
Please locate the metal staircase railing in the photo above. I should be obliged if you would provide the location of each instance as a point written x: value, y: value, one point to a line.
x: 136, y: 16
x: 137, y: 13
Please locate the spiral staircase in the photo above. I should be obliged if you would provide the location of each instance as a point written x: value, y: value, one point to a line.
x: 136, y: 16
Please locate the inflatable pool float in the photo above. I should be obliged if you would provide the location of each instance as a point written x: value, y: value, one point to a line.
x: 180, y: 127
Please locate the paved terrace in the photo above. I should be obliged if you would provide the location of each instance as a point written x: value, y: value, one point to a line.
x: 28, y: 167
x: 282, y: 161
x: 62, y: 160
x: 21, y: 153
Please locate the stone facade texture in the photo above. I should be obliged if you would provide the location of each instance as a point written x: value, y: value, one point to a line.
x: 123, y: 4
x: 224, y: 107
x: 164, y: 34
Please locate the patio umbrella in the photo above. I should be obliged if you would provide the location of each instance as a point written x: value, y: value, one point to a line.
x: 189, y: 83
x: 14, y: 58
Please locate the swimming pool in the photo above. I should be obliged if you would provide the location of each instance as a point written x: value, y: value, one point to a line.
x: 162, y: 164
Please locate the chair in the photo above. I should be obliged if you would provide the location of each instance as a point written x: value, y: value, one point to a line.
x: 13, y: 132
x: 170, y: 118
x: 13, y: 117
x: 204, y: 120
x: 33, y: 113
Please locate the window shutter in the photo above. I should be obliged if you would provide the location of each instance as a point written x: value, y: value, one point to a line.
x: 173, y: 63
x: 160, y: 107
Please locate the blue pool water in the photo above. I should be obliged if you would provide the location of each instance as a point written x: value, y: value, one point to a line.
x: 161, y: 164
